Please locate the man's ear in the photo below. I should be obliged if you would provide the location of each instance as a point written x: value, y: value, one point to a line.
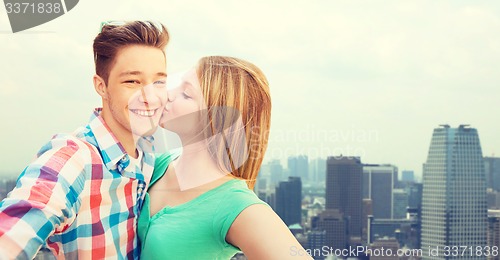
x: 100, y: 86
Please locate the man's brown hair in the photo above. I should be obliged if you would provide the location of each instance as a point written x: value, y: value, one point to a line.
x: 114, y: 37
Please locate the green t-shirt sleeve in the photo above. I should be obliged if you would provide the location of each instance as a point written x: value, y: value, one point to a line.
x: 230, y: 208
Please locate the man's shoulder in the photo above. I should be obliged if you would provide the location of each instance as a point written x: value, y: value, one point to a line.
x: 68, y: 145
x: 64, y: 157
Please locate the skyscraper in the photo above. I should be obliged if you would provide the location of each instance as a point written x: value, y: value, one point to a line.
x: 494, y: 232
x: 344, y: 190
x: 288, y: 201
x: 400, y: 203
x: 493, y: 198
x: 317, y: 171
x: 454, y: 210
x: 298, y: 166
x: 414, y: 191
x: 316, y: 240
x: 276, y: 172
x: 492, y: 168
x: 407, y: 176
x: 335, y: 224
x: 378, y: 185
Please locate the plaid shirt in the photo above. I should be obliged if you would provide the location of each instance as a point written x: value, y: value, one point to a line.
x: 80, y: 198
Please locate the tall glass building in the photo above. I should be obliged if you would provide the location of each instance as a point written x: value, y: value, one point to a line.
x: 454, y: 204
x: 289, y: 200
x: 344, y: 191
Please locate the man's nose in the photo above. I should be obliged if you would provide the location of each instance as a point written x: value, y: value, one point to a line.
x: 151, y: 94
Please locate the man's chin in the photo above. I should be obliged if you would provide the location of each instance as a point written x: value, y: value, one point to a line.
x: 145, y: 132
x: 165, y: 125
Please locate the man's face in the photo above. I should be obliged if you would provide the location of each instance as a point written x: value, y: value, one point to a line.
x: 136, y: 92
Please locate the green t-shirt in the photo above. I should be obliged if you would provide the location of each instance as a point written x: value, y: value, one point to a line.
x: 196, y: 229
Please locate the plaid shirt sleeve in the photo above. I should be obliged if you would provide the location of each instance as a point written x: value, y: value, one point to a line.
x: 45, y: 199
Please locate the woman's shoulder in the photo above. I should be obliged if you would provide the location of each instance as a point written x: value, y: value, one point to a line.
x: 234, y: 197
x: 236, y: 190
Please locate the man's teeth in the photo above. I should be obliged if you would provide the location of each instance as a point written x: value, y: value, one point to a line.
x: 144, y: 112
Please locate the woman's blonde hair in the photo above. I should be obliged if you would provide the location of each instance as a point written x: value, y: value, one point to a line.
x: 235, y: 90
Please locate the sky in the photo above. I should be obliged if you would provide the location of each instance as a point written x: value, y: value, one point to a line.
x: 357, y: 78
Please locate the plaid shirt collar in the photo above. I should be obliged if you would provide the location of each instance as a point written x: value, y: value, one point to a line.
x: 113, y: 154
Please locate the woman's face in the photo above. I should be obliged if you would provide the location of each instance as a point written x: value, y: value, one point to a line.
x: 182, y: 111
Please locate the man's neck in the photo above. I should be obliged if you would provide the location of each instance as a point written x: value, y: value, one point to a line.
x: 124, y: 136
x: 129, y: 146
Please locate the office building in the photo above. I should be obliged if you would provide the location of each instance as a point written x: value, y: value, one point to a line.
x: 400, y: 203
x: 492, y: 168
x: 335, y: 225
x: 316, y: 240
x: 407, y: 176
x: 317, y: 171
x: 344, y: 190
x: 288, y: 201
x: 494, y: 233
x: 298, y: 166
x: 454, y: 209
x: 378, y: 185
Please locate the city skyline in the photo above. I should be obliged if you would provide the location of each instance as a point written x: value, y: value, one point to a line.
x: 286, y: 171
x: 344, y: 213
x: 366, y: 82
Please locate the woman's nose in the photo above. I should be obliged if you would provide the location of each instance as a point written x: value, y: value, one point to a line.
x: 173, y: 93
x: 170, y: 95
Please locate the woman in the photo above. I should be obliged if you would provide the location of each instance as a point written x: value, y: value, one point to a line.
x: 200, y: 204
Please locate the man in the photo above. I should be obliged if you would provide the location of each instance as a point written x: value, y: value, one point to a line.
x: 81, y: 196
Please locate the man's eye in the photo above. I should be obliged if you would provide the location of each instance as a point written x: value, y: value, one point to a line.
x: 132, y: 81
x: 160, y: 83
